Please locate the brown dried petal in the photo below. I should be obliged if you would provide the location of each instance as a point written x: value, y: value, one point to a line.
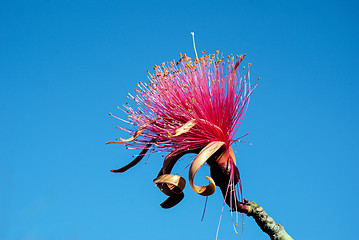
x: 136, y: 160
x: 135, y: 135
x: 185, y: 128
x: 201, y: 158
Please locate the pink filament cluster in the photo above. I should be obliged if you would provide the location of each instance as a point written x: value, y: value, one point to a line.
x: 208, y: 91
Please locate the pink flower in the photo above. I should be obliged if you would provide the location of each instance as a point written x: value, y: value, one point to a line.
x: 192, y: 106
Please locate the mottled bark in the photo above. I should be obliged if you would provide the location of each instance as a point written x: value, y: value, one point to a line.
x: 265, y: 222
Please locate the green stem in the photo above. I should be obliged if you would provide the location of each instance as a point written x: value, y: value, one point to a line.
x: 265, y: 222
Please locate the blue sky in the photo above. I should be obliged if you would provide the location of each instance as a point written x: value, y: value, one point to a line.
x: 64, y: 65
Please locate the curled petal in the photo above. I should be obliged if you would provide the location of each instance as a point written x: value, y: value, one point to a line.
x: 231, y: 153
x: 168, y: 187
x: 223, y: 159
x: 172, y: 186
x: 174, y: 156
x: 136, y: 160
x: 175, y: 183
x: 201, y: 158
x: 163, y: 186
x: 172, y: 201
x: 185, y: 128
x: 135, y: 135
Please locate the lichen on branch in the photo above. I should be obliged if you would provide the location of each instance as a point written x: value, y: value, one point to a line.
x: 264, y: 221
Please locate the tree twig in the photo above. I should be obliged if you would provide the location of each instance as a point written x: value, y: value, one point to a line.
x: 264, y: 221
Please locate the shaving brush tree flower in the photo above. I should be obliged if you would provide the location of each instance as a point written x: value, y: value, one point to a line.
x: 192, y: 106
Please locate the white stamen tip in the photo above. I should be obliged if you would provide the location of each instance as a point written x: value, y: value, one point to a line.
x: 194, y: 45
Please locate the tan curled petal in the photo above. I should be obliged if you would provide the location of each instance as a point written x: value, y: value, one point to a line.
x: 172, y: 201
x: 232, y: 154
x: 172, y: 186
x: 135, y: 135
x: 136, y: 160
x: 224, y: 157
x: 175, y: 183
x: 185, y: 128
x: 201, y: 158
x: 171, y: 158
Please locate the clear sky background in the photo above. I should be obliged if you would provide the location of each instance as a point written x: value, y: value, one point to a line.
x: 64, y: 65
